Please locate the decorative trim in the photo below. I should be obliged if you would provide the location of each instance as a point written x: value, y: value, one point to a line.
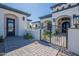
x: 57, y: 5
x: 66, y: 8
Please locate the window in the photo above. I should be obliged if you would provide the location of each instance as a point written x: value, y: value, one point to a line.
x: 23, y: 18
x: 36, y: 25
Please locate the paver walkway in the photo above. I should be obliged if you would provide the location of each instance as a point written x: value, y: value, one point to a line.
x: 21, y: 47
x: 16, y: 46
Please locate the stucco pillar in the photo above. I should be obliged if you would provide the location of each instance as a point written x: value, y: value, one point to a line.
x: 73, y: 40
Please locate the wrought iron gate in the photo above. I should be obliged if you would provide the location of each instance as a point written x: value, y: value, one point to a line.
x: 54, y: 37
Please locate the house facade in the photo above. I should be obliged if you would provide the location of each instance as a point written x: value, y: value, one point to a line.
x: 63, y: 14
x: 29, y: 22
x: 36, y: 25
x: 13, y: 22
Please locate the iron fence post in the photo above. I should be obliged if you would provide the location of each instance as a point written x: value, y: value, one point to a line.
x: 50, y: 35
x: 67, y: 39
x: 40, y: 33
x: 50, y: 31
x: 40, y: 30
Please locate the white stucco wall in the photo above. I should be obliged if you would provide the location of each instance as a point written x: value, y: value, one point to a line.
x: 20, y: 25
x: 1, y: 24
x: 73, y: 40
x: 35, y: 33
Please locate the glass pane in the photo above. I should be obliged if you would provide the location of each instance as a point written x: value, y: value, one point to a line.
x: 10, y: 27
x: 74, y: 21
x: 10, y: 20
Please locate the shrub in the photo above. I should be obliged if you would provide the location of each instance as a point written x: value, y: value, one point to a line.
x: 46, y: 34
x: 28, y: 36
x: 1, y: 38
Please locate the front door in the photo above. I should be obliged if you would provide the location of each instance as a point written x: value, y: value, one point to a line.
x: 10, y: 27
x: 65, y: 26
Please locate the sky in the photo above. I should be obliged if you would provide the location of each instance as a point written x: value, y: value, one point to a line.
x: 35, y: 9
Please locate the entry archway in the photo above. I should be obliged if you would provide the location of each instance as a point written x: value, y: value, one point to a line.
x: 63, y: 24
x: 11, y: 25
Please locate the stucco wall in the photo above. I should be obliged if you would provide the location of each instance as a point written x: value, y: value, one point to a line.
x: 35, y: 33
x: 1, y: 24
x: 20, y: 25
x: 73, y: 40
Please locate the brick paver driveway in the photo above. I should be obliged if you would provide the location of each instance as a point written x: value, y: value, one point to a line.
x: 21, y: 47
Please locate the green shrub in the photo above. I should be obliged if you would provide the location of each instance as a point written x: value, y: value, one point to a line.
x: 28, y: 36
x: 1, y: 38
x: 46, y: 34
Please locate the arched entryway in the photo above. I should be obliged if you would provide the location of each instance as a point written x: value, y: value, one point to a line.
x: 11, y: 24
x: 47, y: 24
x: 63, y: 24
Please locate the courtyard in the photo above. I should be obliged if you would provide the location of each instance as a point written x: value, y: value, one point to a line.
x: 17, y: 46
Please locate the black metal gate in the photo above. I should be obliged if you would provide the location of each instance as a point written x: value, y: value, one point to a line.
x: 55, y: 37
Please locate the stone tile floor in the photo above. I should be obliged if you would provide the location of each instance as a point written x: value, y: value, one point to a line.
x: 16, y: 46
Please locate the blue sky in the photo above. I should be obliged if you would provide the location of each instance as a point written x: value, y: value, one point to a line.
x: 35, y: 9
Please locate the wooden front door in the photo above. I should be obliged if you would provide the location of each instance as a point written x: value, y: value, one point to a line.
x: 10, y: 25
